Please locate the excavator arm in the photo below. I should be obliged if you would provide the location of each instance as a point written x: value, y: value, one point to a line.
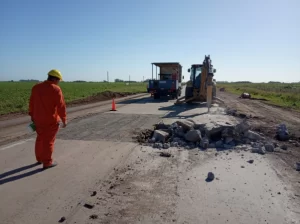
x: 204, y: 90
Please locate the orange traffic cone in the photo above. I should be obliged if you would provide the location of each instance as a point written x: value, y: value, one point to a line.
x: 113, y: 105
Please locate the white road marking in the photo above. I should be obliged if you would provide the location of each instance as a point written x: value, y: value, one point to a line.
x: 15, y: 144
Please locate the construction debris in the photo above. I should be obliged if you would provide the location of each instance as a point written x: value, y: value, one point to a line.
x: 269, y: 147
x: 210, y: 177
x: 165, y: 154
x: 221, y: 135
x: 93, y: 216
x: 253, y: 135
x: 144, y: 135
x: 62, y: 219
x: 298, y: 166
x: 160, y: 136
x: 89, y: 206
x: 94, y: 193
x: 245, y: 96
x: 282, y: 133
x: 166, y: 145
x: 259, y: 149
x: 284, y: 147
x: 158, y: 145
x: 185, y: 124
x: 193, y: 136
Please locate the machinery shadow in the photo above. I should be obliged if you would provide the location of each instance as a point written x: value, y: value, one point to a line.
x: 145, y: 100
x: 176, y: 110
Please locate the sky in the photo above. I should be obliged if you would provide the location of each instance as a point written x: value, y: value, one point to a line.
x: 257, y: 40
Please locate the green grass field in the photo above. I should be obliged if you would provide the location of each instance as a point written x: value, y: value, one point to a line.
x: 14, y: 96
x: 281, y: 94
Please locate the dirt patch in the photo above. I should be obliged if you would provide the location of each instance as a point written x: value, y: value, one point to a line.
x: 261, y: 99
x: 4, y: 117
x: 265, y: 118
x: 144, y: 136
x: 107, y: 95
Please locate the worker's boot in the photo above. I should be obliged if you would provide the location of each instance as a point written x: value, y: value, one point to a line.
x: 52, y: 165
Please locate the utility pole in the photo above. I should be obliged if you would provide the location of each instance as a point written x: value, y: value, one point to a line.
x: 152, y: 71
x: 129, y: 79
x: 107, y: 77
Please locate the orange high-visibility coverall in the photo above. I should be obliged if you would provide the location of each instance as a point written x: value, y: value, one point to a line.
x: 47, y: 107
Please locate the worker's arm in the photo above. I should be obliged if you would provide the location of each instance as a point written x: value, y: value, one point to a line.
x: 61, y: 107
x: 31, y: 105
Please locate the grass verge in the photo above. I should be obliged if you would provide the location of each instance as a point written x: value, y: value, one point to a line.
x: 280, y: 94
x: 14, y: 96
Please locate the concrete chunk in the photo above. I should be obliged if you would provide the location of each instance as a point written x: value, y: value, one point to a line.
x: 269, y: 147
x: 284, y: 147
x: 282, y: 133
x: 260, y: 150
x: 242, y: 127
x: 297, y: 166
x: 158, y: 145
x: 179, y: 131
x: 174, y: 144
x: 160, y: 136
x: 166, y: 145
x: 219, y: 144
x: 199, y: 126
x: 186, y: 125
x: 193, y: 136
x: 215, y: 128
x: 212, y: 145
x: 253, y: 136
x: 228, y: 140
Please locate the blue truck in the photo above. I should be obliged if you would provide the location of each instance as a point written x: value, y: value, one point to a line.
x: 167, y: 82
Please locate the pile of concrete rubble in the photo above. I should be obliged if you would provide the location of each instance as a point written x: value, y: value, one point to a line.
x: 221, y: 135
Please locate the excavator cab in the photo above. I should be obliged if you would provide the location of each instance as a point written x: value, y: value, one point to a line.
x: 195, y: 77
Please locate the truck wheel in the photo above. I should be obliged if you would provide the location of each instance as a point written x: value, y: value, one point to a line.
x: 156, y: 96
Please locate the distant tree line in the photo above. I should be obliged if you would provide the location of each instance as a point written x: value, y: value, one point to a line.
x: 29, y: 80
x: 234, y: 82
x: 120, y: 80
x: 271, y: 82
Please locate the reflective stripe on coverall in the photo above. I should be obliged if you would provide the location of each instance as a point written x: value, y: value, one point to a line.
x: 47, y: 107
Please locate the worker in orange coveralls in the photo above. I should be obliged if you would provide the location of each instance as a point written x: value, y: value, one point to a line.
x: 47, y: 107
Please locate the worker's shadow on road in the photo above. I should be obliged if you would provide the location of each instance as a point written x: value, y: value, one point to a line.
x: 176, y: 110
x: 20, y: 176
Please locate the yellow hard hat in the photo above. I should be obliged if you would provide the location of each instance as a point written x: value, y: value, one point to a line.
x: 55, y: 73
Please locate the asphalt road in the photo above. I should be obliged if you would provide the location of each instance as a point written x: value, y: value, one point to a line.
x: 100, y: 165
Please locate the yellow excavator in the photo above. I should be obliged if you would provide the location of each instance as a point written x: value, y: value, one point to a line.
x: 201, y: 87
